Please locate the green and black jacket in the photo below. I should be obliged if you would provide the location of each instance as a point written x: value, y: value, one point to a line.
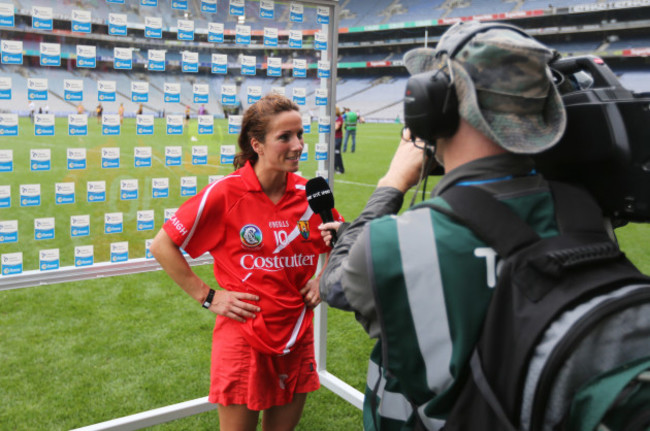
x: 421, y: 283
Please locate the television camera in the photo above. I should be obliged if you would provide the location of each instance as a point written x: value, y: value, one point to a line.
x: 606, y: 145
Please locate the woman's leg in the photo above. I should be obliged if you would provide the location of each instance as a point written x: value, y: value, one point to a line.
x: 338, y: 159
x: 237, y: 417
x: 286, y: 417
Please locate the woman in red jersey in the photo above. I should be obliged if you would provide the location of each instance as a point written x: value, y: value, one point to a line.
x: 257, y: 225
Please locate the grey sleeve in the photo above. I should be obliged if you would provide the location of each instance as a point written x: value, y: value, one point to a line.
x: 345, y: 281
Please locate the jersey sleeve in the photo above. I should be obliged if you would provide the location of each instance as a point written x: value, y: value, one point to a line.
x: 197, y: 226
x: 337, y: 216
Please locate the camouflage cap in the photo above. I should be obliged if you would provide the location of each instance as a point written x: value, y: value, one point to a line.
x: 505, y: 89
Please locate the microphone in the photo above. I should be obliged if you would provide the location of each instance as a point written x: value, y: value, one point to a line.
x: 321, y: 201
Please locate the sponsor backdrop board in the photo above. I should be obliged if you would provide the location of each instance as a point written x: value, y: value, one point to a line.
x: 99, y: 135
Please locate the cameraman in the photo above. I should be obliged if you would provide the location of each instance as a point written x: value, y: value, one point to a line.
x: 421, y: 282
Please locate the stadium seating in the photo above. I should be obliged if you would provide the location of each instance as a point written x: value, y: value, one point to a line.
x: 578, y: 47
x: 481, y: 7
x: 378, y: 99
x: 416, y: 10
x: 354, y: 13
x: 136, y: 12
x: 549, y: 4
x: 372, y: 96
x: 636, y: 80
x: 19, y: 91
x: 627, y: 42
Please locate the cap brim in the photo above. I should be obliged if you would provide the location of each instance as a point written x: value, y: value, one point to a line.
x: 419, y: 60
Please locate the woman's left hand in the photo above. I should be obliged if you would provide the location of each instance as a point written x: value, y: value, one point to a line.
x: 310, y: 293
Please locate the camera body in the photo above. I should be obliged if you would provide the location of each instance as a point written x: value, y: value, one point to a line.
x: 606, y: 145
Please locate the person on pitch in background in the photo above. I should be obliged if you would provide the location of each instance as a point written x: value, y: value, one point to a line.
x: 99, y: 110
x: 264, y: 238
x: 350, y: 119
x: 32, y: 110
x: 418, y: 281
x: 338, y: 137
x: 120, y: 112
x: 186, y: 120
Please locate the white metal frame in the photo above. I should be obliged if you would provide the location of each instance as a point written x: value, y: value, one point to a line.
x: 98, y: 270
x: 201, y: 405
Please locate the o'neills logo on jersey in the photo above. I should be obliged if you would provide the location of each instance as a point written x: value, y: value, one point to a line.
x: 251, y: 236
x: 276, y: 263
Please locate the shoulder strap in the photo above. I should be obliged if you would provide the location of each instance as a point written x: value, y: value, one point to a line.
x: 576, y: 210
x: 500, y: 227
x: 491, y: 220
x: 486, y: 390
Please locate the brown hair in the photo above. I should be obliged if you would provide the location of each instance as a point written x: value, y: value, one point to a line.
x: 255, y: 122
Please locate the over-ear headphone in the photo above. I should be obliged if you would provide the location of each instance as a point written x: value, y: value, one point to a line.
x: 430, y: 101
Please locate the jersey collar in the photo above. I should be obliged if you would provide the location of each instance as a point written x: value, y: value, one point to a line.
x: 253, y: 183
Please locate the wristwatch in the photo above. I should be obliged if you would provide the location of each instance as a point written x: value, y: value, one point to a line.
x: 208, y: 299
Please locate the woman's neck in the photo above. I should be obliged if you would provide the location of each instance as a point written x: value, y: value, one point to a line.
x: 273, y: 183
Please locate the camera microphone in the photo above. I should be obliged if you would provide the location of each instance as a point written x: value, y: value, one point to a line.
x: 321, y: 201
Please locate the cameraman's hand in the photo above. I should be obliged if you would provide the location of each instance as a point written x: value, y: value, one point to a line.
x: 405, y: 168
x: 326, y: 231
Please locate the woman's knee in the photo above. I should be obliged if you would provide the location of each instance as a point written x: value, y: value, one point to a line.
x: 286, y: 417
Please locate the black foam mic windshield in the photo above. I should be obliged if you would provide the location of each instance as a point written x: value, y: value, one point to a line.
x: 321, y: 200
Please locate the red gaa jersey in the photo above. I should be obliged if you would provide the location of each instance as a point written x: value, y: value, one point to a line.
x: 270, y: 250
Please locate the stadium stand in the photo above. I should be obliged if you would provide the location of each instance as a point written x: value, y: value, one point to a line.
x: 616, y: 31
x: 636, y: 80
x: 541, y: 4
x: 381, y: 98
x: 350, y: 87
x: 481, y: 7
x: 136, y: 12
x: 373, y: 38
x: 627, y: 43
x: 355, y: 13
x: 413, y: 10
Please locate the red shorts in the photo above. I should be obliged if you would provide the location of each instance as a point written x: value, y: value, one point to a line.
x: 242, y: 375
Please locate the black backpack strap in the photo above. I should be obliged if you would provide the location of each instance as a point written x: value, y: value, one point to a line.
x: 575, y: 209
x: 497, y: 225
x: 486, y: 390
x: 491, y: 220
